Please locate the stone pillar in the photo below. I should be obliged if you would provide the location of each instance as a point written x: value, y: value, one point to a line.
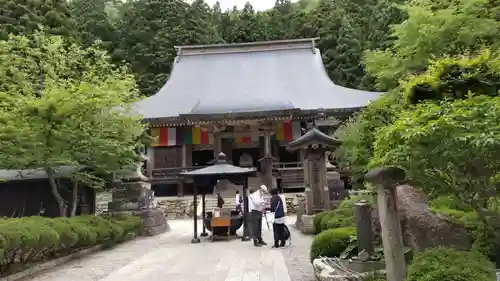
x: 386, y: 179
x: 364, y: 231
x: 315, y: 171
x: 309, y: 202
x: 327, y: 203
x: 150, y: 153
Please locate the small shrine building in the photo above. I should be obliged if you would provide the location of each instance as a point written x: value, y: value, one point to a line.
x: 247, y: 100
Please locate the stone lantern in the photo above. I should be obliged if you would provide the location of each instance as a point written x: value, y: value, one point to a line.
x: 317, y: 195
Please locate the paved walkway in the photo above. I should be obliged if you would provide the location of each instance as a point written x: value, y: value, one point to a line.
x: 172, y: 257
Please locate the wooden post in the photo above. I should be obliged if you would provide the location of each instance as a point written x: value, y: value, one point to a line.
x: 180, y: 183
x: 195, y: 215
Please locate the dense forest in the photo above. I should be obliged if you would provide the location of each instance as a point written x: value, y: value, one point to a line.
x: 142, y: 33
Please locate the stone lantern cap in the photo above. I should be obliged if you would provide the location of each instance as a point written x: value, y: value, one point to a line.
x: 220, y: 167
x: 313, y: 138
x: 386, y: 175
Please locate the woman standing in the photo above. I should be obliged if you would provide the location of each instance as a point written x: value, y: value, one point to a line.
x: 279, y: 219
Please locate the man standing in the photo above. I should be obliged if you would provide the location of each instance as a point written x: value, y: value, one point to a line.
x: 255, y: 205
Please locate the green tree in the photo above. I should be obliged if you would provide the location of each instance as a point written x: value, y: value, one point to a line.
x: 447, y: 148
x: 433, y: 29
x: 97, y: 20
x: 25, y: 16
x: 62, y: 120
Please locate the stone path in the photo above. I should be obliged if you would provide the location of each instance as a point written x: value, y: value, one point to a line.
x: 171, y: 256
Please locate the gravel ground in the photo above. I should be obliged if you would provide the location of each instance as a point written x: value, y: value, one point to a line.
x: 297, y: 255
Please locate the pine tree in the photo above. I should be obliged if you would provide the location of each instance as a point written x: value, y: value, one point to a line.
x: 25, y: 17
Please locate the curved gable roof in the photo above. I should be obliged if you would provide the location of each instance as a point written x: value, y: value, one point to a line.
x: 252, y: 77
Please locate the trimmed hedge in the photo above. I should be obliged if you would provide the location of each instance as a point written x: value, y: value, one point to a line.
x: 33, y: 239
x: 448, y: 264
x: 343, y: 216
x: 332, y: 242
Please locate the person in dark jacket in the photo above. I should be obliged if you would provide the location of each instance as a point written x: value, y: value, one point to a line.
x: 220, y: 200
x: 279, y: 219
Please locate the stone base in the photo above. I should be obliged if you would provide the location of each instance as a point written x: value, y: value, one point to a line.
x: 153, y: 222
x: 326, y: 270
x: 306, y: 225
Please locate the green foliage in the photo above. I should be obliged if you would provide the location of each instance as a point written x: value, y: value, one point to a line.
x: 454, y: 78
x: 375, y: 276
x: 331, y: 242
x: 358, y: 134
x: 444, y: 148
x: 62, y: 105
x: 22, y: 17
x: 433, y: 29
x: 484, y: 233
x: 450, y: 265
x: 31, y: 239
x: 343, y: 216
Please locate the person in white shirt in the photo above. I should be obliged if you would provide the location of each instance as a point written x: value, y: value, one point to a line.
x: 255, y: 207
x: 238, y: 201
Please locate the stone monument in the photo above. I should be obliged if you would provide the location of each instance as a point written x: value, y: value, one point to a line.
x: 132, y: 195
x: 334, y: 182
x: 317, y: 194
x: 387, y: 179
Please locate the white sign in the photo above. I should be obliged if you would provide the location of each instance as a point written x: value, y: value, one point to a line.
x: 498, y: 276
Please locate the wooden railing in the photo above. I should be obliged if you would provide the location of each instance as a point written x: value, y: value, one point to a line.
x: 287, y: 165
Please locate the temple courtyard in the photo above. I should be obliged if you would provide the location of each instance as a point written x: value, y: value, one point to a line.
x: 171, y: 256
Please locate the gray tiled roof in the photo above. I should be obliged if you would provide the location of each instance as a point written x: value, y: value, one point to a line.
x: 254, y: 77
x: 32, y: 174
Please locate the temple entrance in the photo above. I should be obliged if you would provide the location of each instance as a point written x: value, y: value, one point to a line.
x: 246, y: 157
x: 288, y: 156
x: 202, y: 157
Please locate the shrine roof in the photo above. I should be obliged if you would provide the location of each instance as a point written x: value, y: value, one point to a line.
x: 33, y: 174
x: 270, y: 76
x: 313, y: 136
x: 221, y: 167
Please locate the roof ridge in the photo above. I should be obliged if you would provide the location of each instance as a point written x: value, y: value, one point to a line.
x: 260, y: 46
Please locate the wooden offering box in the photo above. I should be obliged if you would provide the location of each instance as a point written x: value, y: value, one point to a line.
x: 221, y: 219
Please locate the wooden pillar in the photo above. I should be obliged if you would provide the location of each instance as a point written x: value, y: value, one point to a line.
x: 195, y: 215
x: 180, y: 183
x: 246, y: 216
x: 217, y: 143
x: 267, y: 161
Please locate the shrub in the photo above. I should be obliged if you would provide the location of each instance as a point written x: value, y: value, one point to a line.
x: 343, y: 216
x: 450, y: 265
x: 331, y: 242
x: 317, y: 220
x: 31, y: 239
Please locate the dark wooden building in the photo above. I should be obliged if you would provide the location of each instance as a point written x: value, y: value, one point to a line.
x: 248, y: 101
x: 27, y: 193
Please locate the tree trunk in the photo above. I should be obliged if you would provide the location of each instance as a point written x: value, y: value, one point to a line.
x: 74, y: 199
x: 55, y: 191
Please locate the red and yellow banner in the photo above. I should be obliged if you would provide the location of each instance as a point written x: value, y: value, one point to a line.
x: 180, y: 135
x: 288, y: 131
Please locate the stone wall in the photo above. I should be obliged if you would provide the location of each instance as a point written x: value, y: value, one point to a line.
x: 177, y: 208
x: 292, y: 202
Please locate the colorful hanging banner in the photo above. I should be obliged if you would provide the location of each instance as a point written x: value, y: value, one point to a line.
x: 246, y: 139
x: 288, y: 131
x: 180, y: 135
